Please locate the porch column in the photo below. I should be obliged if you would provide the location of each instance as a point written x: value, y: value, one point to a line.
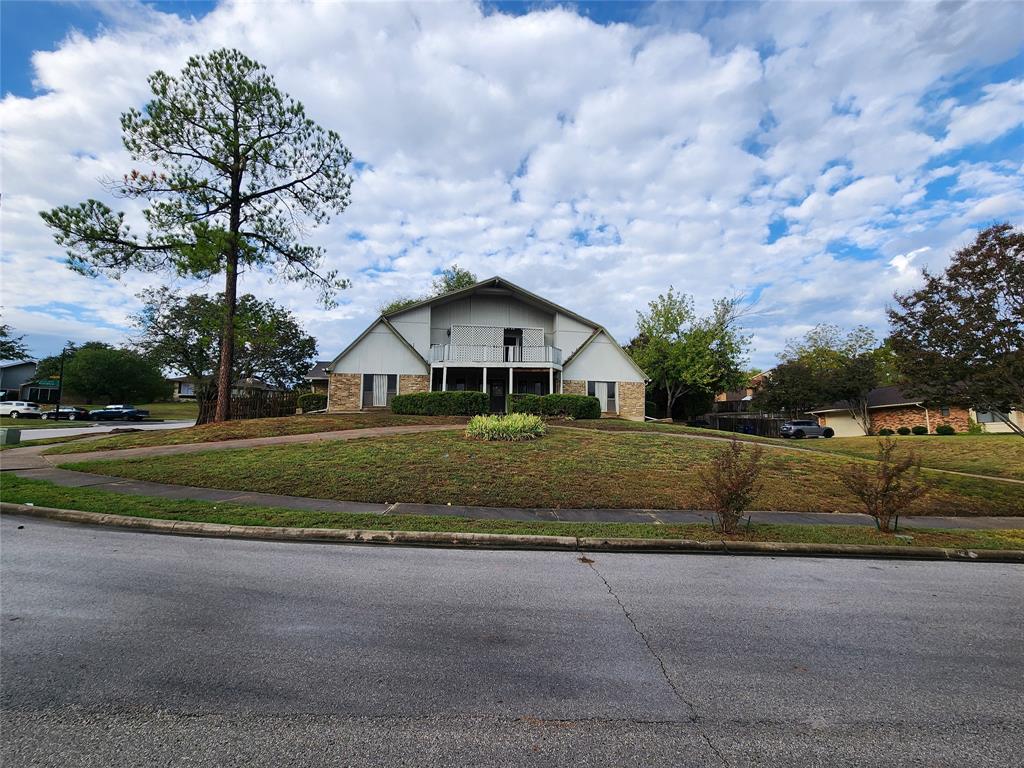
x: 561, y: 382
x: 484, y: 389
x: 444, y: 379
x: 510, y: 369
x: 551, y: 381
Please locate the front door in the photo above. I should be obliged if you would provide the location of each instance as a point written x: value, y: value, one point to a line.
x: 497, y: 393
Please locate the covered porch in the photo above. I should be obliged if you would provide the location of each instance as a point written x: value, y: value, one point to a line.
x: 498, y: 382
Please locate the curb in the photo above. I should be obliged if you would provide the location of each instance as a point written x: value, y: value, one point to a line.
x: 512, y: 541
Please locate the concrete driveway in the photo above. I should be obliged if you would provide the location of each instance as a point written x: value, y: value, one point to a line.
x: 122, y: 648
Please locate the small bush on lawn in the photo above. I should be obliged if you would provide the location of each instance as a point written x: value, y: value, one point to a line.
x: 513, y: 427
x: 920, y: 429
x: 886, y: 486
x: 440, y: 404
x: 945, y: 429
x: 568, y: 406
x: 903, y: 431
x: 886, y: 432
x: 312, y: 401
x: 730, y: 481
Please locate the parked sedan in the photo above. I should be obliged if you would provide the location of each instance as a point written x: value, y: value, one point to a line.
x: 19, y: 409
x: 118, y: 413
x: 69, y: 412
x: 806, y: 428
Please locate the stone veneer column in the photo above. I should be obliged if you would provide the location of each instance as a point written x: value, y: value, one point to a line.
x: 345, y: 392
x: 409, y: 383
x: 574, y: 387
x: 631, y: 399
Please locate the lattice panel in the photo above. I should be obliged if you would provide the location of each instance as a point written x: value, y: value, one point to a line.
x: 533, y: 337
x: 474, y: 335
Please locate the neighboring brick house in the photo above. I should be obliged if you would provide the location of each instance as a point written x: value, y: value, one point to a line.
x: 493, y: 337
x: 890, y: 408
x: 317, y: 376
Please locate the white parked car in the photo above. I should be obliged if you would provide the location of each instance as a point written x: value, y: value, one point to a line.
x: 19, y: 409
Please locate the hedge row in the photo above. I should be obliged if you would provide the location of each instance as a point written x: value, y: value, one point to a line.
x: 312, y: 401
x: 440, y: 404
x: 570, y: 406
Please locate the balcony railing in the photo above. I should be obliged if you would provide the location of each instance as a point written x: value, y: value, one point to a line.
x: 474, y: 353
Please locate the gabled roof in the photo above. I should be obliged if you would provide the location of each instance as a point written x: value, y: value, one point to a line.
x: 364, y: 334
x: 12, y: 363
x: 594, y: 335
x: 495, y: 282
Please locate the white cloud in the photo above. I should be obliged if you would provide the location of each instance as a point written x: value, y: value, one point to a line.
x: 593, y: 164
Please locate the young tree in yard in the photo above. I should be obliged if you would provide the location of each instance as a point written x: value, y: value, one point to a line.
x: 684, y: 354
x: 232, y: 170
x: 182, y: 333
x: 887, y: 486
x: 792, y: 388
x: 11, y: 347
x: 99, y: 371
x: 960, y: 337
x: 731, y: 480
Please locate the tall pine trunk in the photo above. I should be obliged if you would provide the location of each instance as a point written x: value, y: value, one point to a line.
x: 227, y: 340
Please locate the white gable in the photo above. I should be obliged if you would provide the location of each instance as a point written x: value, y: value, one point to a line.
x: 602, y: 360
x: 380, y: 351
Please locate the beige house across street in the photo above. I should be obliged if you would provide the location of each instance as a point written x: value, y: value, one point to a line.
x: 492, y: 337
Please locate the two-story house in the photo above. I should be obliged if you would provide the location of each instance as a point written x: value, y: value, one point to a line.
x: 492, y: 337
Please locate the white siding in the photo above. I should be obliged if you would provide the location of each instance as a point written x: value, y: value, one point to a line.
x: 570, y: 334
x: 495, y: 311
x: 414, y: 325
x: 602, y: 360
x: 380, y: 351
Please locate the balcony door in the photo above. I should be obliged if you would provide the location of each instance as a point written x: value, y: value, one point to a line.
x: 513, y: 345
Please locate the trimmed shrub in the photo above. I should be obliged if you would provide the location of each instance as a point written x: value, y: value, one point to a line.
x: 945, y: 429
x: 887, y: 486
x: 920, y: 429
x: 903, y: 431
x: 885, y: 432
x: 312, y: 401
x: 731, y: 480
x: 440, y: 403
x: 513, y: 427
x: 568, y: 406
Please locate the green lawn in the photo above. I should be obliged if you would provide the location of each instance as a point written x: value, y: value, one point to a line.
x: 241, y: 429
x: 566, y: 469
x: 41, y: 493
x: 997, y: 455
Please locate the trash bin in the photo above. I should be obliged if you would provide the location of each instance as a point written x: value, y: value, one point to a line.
x: 10, y: 436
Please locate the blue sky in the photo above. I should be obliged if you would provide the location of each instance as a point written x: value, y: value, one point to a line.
x: 808, y: 157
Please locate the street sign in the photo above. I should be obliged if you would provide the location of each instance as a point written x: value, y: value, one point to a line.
x: 48, y: 382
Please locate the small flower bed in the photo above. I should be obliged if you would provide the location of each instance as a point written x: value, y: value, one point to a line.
x: 514, y: 427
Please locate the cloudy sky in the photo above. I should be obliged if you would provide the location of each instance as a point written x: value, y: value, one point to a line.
x: 811, y: 157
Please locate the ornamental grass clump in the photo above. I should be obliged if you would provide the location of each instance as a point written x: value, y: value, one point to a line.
x: 513, y: 427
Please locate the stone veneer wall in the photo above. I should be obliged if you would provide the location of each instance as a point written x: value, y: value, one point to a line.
x: 894, y: 418
x: 574, y: 387
x: 345, y: 392
x: 631, y: 399
x: 409, y: 383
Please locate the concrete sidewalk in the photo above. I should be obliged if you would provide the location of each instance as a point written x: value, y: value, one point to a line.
x: 68, y: 478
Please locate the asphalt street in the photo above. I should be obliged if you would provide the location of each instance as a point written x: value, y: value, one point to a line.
x: 120, y: 648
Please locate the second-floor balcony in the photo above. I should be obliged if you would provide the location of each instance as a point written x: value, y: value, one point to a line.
x: 500, y: 355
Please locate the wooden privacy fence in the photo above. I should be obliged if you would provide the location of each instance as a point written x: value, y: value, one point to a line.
x: 253, y: 405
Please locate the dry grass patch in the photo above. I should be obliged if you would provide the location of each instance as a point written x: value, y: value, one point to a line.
x: 242, y: 429
x: 567, y: 469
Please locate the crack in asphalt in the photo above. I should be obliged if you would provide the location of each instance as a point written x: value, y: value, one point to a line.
x: 694, y: 715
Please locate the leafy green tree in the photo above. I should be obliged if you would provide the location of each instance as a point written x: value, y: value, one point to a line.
x: 232, y: 172
x: 685, y: 354
x: 182, y: 333
x: 97, y: 371
x: 451, y: 279
x: 826, y: 366
x: 11, y: 347
x: 960, y: 337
